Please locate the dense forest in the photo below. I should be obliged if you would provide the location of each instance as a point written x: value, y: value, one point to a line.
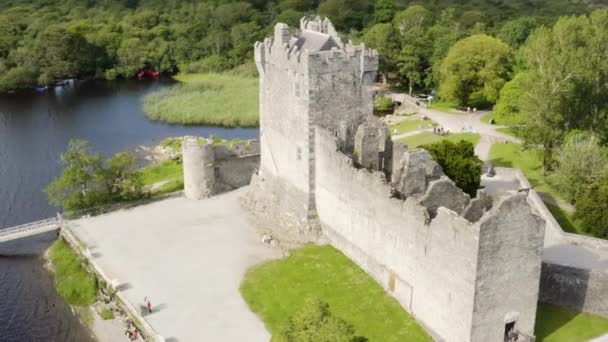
x: 42, y: 41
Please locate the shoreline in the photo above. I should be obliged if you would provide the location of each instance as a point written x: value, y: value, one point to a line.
x: 101, y: 330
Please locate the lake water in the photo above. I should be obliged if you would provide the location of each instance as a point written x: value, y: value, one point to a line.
x: 34, y: 130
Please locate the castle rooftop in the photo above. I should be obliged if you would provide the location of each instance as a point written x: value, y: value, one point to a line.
x: 314, y: 41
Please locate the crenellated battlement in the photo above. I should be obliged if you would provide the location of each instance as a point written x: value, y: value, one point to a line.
x: 315, y: 48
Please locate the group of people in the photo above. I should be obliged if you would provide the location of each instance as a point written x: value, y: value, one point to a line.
x: 132, y: 332
x: 441, y: 131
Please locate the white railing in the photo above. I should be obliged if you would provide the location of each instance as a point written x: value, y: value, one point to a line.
x: 27, y: 229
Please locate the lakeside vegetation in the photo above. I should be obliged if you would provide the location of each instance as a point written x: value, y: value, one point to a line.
x: 276, y: 290
x: 228, y: 100
x: 73, y: 282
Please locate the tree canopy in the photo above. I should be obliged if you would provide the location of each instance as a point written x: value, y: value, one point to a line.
x: 475, y: 69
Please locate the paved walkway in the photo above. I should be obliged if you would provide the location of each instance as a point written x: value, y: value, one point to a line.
x: 189, y: 258
x: 463, y: 122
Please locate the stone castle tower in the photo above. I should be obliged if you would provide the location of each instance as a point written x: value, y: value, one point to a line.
x: 300, y: 77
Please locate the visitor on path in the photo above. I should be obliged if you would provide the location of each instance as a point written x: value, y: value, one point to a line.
x: 149, y: 305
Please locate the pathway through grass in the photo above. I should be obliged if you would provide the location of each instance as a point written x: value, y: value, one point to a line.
x: 410, y: 125
x: 275, y: 290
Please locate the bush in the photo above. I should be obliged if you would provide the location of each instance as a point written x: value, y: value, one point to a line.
x: 592, y: 209
x: 383, y: 105
x: 459, y: 162
x: 314, y: 322
x: 213, y: 63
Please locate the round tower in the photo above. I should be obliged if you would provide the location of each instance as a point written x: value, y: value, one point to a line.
x: 199, y: 173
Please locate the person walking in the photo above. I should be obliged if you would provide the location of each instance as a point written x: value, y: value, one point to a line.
x: 149, y: 305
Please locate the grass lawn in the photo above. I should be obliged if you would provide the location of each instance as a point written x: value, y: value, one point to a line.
x: 445, y: 106
x: 275, y: 290
x: 73, y: 283
x: 502, y: 120
x: 528, y: 161
x: 507, y: 130
x: 206, y: 99
x: 169, y: 170
x: 410, y: 125
x: 566, y: 220
x: 429, y: 138
x: 555, y: 324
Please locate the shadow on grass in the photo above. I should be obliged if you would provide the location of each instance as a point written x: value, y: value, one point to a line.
x: 550, y: 318
x: 565, y: 220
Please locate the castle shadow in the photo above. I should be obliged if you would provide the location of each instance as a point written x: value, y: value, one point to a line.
x: 124, y: 287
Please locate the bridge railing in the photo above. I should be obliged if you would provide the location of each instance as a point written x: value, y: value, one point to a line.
x: 28, y: 226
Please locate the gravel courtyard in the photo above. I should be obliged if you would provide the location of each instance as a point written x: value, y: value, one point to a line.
x: 189, y: 258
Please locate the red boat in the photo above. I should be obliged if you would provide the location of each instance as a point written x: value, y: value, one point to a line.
x: 147, y: 73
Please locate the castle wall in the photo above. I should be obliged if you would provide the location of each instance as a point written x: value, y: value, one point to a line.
x: 430, y: 269
x: 575, y: 288
x: 508, y: 270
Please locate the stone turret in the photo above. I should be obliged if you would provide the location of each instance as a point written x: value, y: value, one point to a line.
x: 199, y: 172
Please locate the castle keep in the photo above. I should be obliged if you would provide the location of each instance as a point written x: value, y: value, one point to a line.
x: 467, y: 269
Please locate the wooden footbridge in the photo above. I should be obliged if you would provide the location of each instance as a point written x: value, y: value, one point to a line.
x: 29, y: 229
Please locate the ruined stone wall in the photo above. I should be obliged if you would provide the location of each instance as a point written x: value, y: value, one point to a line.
x: 430, y: 269
x: 446, y: 271
x: 508, y: 270
x: 575, y: 288
x: 210, y: 169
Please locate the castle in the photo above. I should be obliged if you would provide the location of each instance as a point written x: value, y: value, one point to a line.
x: 467, y: 269
x: 326, y: 170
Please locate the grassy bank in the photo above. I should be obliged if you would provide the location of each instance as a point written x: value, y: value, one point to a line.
x: 275, y: 290
x: 73, y: 283
x: 170, y: 172
x: 555, y: 324
x: 429, y: 138
x: 206, y: 99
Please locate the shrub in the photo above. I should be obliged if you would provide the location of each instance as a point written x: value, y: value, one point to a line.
x: 106, y: 314
x: 459, y: 162
x: 314, y: 322
x: 383, y: 105
x: 592, y: 209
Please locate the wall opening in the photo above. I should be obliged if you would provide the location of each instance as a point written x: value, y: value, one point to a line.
x: 510, y: 334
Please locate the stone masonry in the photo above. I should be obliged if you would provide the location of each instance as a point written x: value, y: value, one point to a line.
x: 467, y: 269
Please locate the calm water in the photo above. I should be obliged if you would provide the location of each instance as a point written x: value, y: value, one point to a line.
x: 34, y: 130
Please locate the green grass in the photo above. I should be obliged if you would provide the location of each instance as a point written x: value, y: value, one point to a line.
x: 555, y: 324
x: 502, y: 119
x: 507, y: 130
x: 275, y: 290
x: 566, y: 220
x: 169, y: 187
x: 429, y: 138
x: 410, y: 125
x: 528, y: 161
x: 168, y: 169
x: 73, y: 282
x: 450, y: 107
x: 106, y: 314
x: 206, y: 99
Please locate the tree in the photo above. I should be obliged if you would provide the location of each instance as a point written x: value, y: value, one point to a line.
x: 581, y: 162
x: 382, y: 38
x: 592, y: 209
x: 411, y: 62
x: 515, y: 32
x: 475, y: 70
x: 384, y: 11
x: 508, y: 107
x: 459, y: 162
x: 75, y: 188
x: 85, y: 182
x: 314, y: 322
x: 412, y: 21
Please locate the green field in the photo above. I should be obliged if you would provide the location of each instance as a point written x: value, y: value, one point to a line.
x: 502, y: 120
x: 73, y: 283
x: 555, y: 324
x: 275, y: 290
x: 410, y: 125
x: 429, y: 138
x: 206, y: 99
